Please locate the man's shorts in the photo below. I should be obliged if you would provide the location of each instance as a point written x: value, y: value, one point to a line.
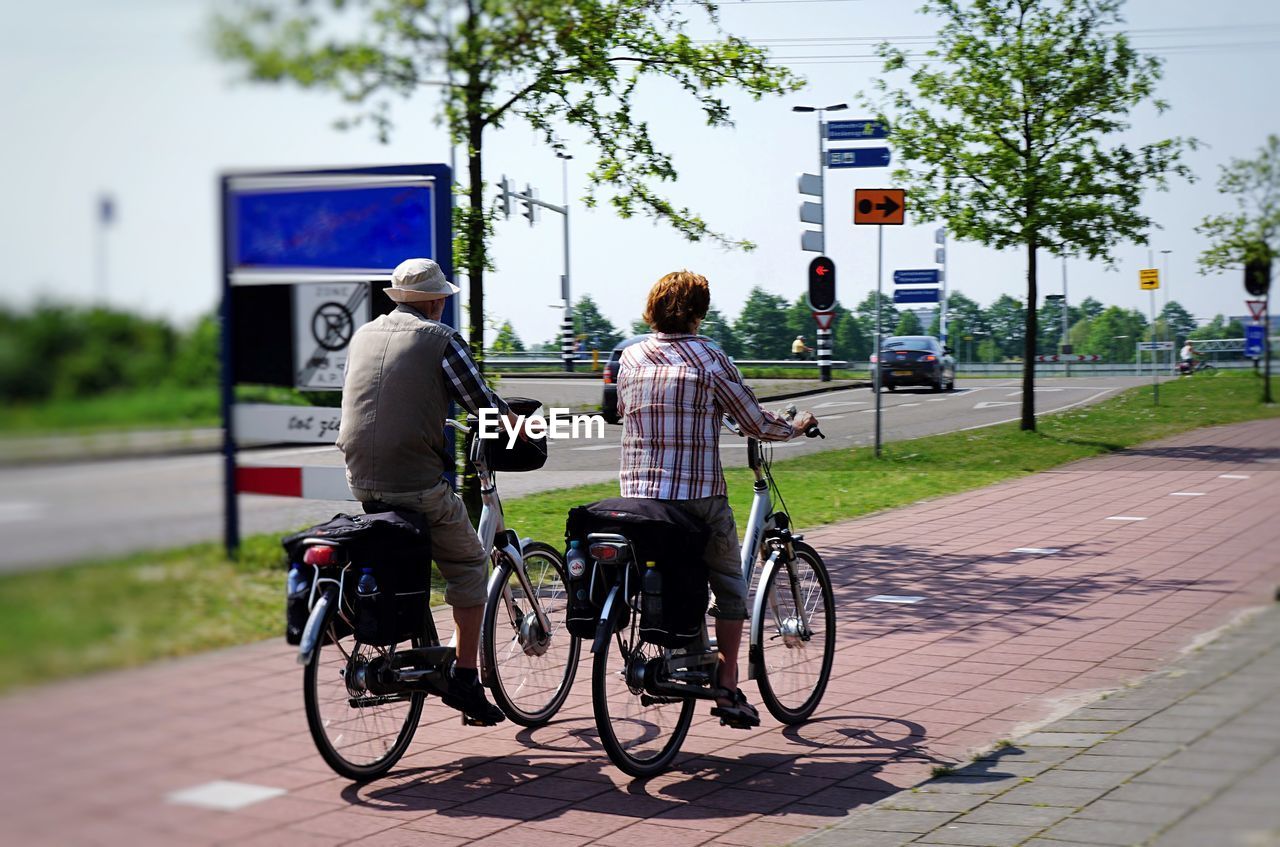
x: 454, y: 543
x: 723, y: 556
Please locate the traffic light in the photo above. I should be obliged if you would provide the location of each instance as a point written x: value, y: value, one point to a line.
x: 530, y: 207
x: 822, y: 284
x: 506, y: 198
x: 1257, y: 277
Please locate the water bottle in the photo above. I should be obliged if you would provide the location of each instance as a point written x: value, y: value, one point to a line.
x: 651, y: 585
x: 576, y: 560
x: 367, y: 601
x: 299, y: 581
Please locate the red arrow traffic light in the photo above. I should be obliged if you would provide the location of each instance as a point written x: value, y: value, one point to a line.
x: 822, y: 284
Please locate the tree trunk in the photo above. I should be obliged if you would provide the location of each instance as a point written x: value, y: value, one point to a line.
x: 475, y: 267
x: 1029, y: 344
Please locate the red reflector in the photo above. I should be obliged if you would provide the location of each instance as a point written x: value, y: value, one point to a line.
x: 319, y: 556
x: 603, y: 552
x: 928, y: 358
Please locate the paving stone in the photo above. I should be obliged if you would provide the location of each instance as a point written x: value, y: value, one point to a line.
x: 1017, y: 815
x: 1182, y: 795
x: 1082, y: 779
x: 1063, y: 739
x: 980, y: 835
x: 1166, y: 775
x: 1148, y: 749
x: 1109, y: 833
x: 1051, y: 795
x: 1116, y: 763
x: 921, y: 802
x: 1117, y: 810
x: 890, y: 820
x: 840, y: 837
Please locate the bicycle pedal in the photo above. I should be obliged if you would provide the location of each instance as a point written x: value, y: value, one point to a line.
x: 468, y: 720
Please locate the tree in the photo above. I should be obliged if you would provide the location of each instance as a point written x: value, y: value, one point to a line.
x: 639, y: 327
x: 554, y: 64
x: 718, y: 328
x: 851, y: 338
x: 866, y: 310
x: 1115, y: 333
x: 507, y: 340
x: 600, y: 332
x: 1008, y: 134
x: 908, y: 324
x: 1091, y: 308
x: 762, y: 326
x: 1176, y: 322
x: 1219, y: 327
x: 1252, y: 233
x: 964, y: 317
x: 1007, y: 318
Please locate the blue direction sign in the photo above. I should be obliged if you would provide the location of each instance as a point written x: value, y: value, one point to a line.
x: 863, y: 157
x: 924, y: 276
x: 863, y: 130
x: 915, y: 295
x: 1254, y: 340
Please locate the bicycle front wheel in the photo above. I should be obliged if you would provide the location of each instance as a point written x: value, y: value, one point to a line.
x: 359, y: 734
x: 797, y: 636
x: 642, y: 734
x: 530, y: 668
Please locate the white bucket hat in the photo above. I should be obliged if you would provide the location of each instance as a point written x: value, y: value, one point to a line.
x: 415, y: 280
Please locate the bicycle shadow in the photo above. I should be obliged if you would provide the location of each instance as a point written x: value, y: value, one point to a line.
x: 838, y: 762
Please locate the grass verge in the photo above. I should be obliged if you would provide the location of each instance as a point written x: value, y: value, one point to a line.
x: 96, y: 615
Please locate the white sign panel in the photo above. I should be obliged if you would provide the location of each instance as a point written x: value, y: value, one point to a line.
x: 326, y: 315
x: 261, y: 423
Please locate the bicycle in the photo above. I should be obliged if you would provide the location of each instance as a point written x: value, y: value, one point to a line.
x: 363, y: 702
x: 643, y: 696
x: 1196, y: 366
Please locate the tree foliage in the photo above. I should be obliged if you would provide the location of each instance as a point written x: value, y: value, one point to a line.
x: 1252, y: 232
x: 762, y: 326
x: 588, y: 321
x: 556, y: 65
x: 1008, y: 131
x: 507, y: 341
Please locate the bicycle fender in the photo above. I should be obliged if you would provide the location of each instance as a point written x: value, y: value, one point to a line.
x: 604, y: 629
x: 755, y: 650
x: 315, y: 625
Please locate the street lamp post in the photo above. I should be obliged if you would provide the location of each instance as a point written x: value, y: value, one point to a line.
x: 824, y: 335
x: 1168, y: 330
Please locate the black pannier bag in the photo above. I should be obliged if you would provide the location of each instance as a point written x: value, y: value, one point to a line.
x: 525, y: 454
x: 397, y: 546
x: 665, y: 535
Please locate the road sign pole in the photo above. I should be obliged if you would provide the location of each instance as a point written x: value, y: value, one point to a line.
x: 824, y: 355
x: 230, y: 504
x: 1266, y: 349
x: 876, y: 371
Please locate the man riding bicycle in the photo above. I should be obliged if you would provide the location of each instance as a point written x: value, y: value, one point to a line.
x: 673, y: 390
x: 403, y: 369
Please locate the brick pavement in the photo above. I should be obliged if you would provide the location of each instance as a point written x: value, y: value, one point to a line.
x: 1188, y: 757
x: 1002, y: 641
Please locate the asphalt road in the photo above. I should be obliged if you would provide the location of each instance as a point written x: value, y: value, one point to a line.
x: 61, y: 513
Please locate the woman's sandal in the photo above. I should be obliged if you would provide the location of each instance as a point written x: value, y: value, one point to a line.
x: 739, y: 715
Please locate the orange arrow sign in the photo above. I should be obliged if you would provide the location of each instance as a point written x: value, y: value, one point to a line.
x: 883, y: 206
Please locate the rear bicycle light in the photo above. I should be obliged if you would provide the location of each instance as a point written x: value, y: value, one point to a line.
x: 320, y: 556
x: 607, y: 553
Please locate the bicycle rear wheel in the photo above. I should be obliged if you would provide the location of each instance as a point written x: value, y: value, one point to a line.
x: 359, y: 734
x: 797, y: 636
x: 642, y: 734
x: 530, y: 670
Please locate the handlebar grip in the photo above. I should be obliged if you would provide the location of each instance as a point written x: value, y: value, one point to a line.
x: 814, y: 432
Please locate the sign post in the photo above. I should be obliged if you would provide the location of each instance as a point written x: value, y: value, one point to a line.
x: 1257, y: 281
x: 880, y: 207
x: 305, y: 255
x: 1149, y: 280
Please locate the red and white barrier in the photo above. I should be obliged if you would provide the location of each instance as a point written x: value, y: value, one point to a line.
x: 311, y: 483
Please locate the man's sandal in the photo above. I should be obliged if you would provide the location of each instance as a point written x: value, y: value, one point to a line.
x: 739, y: 715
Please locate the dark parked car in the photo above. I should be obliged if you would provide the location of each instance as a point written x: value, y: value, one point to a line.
x: 609, y: 405
x: 915, y: 360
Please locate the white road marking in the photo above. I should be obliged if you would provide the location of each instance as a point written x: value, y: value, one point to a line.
x: 1124, y: 518
x: 1036, y: 551
x: 936, y: 399
x: 841, y: 403
x: 991, y: 404
x: 895, y: 598
x: 594, y: 447
x: 224, y: 796
x: 903, y: 405
x: 1187, y: 494
x: 1233, y: 476
x: 1041, y: 412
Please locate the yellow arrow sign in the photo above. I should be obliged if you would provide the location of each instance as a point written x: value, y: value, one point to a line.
x: 1149, y: 279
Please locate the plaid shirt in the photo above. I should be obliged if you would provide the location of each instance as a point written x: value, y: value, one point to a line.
x: 465, y: 385
x: 673, y: 389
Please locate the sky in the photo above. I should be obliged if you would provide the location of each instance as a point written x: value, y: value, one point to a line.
x: 126, y: 98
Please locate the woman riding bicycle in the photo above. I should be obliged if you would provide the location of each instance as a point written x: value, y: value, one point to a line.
x: 673, y: 390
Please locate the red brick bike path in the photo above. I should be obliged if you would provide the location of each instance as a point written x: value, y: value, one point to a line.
x: 1003, y: 640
